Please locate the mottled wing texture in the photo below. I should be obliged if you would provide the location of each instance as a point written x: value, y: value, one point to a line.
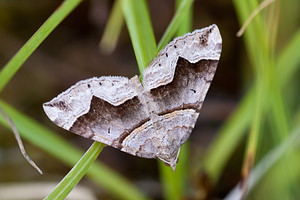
x: 104, y: 109
x: 178, y: 80
x: 180, y: 75
x: 152, y: 119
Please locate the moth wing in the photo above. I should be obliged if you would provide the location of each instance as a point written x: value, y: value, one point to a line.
x: 103, y: 109
x: 179, y: 77
x: 175, y: 129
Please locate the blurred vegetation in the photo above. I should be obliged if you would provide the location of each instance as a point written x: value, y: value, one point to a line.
x: 257, y: 146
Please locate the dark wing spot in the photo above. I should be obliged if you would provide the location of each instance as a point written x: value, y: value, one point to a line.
x: 159, y: 64
x: 175, y: 46
x: 108, y: 131
x: 203, y: 39
x: 100, y: 83
x: 193, y: 90
x: 166, y: 54
x: 88, y: 85
x: 60, y: 104
x: 207, y: 80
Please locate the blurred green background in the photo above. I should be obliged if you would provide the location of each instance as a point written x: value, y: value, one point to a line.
x: 248, y: 128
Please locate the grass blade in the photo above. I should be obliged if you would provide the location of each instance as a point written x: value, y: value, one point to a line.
x: 288, y: 60
x: 181, y: 13
x: 19, y: 140
x: 68, y: 154
x: 113, y: 29
x: 186, y: 24
x: 175, y: 183
x: 232, y: 132
x: 228, y: 137
x: 140, y: 29
x: 62, y: 190
x: 40, y: 35
x: 267, y: 162
x: 263, y: 5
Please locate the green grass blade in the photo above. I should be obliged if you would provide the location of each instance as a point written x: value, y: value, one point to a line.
x: 243, y: 10
x: 186, y: 24
x: 62, y: 190
x: 68, y: 154
x: 140, y: 29
x: 232, y: 132
x: 279, y: 114
x: 261, y: 69
x: 288, y: 60
x: 176, y: 21
x: 228, y: 137
x: 29, y: 47
x: 263, y: 166
x: 256, y: 127
x: 113, y: 29
x: 267, y: 91
x: 175, y: 183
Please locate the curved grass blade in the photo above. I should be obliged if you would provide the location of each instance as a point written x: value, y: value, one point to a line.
x: 113, y: 29
x: 140, y: 30
x: 19, y: 140
x: 39, y: 36
x: 267, y: 162
x: 175, y: 183
x: 231, y: 133
x: 228, y: 137
x: 68, y: 154
x: 181, y: 13
x: 66, y: 185
x: 288, y: 60
x: 263, y: 5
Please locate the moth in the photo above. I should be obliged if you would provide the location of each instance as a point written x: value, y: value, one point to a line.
x: 152, y: 118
